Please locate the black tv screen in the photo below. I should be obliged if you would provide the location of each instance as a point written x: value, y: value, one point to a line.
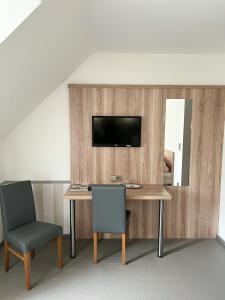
x: 116, y: 131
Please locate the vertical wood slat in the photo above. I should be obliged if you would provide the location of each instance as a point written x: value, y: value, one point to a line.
x: 50, y: 205
x: 38, y: 199
x: 193, y: 213
x: 48, y: 202
x: 58, y: 204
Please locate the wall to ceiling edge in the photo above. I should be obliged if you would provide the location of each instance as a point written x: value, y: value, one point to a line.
x: 38, y: 148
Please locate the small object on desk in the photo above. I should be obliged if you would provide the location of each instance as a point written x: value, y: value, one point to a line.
x: 80, y: 187
x: 133, y: 186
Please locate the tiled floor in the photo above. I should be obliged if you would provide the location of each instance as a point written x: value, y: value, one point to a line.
x: 190, y: 270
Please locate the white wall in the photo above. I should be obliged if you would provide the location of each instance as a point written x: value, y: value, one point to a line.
x: 39, y: 147
x: 221, y: 232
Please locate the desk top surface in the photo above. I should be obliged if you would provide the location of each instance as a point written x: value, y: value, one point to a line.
x: 146, y: 192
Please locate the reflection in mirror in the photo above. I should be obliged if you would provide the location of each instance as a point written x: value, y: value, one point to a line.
x: 177, y: 142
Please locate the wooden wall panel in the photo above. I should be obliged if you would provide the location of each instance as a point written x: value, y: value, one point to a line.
x: 193, y: 213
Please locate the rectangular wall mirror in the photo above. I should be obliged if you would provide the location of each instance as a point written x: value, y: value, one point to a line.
x: 177, y: 142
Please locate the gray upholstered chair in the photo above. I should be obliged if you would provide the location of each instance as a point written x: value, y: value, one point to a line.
x: 22, y: 233
x: 109, y: 214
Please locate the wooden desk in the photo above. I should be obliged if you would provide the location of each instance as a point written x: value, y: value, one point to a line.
x: 145, y: 193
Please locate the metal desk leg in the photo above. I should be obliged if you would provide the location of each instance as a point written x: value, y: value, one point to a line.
x: 160, y: 232
x: 72, y: 230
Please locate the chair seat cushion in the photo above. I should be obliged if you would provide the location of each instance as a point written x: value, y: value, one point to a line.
x: 31, y: 235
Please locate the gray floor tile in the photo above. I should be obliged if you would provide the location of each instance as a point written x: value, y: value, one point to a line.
x: 197, y: 277
x: 162, y: 289
x: 190, y: 270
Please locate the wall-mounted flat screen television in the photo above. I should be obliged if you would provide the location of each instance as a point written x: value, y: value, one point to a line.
x: 116, y: 131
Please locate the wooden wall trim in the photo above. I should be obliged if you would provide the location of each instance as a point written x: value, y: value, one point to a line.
x: 161, y: 86
x: 194, y: 211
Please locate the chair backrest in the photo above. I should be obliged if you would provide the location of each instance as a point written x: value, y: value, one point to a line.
x: 109, y: 208
x: 17, y: 204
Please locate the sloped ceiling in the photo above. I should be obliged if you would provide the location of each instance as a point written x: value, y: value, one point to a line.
x: 61, y: 34
x: 44, y: 50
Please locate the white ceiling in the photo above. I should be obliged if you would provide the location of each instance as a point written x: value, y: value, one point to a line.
x: 162, y: 26
x: 59, y: 35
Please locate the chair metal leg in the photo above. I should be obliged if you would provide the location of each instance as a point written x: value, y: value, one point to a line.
x: 60, y: 254
x: 6, y: 257
x: 72, y: 229
x: 160, y: 230
x: 95, y: 250
x: 26, y: 258
x: 123, y: 258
